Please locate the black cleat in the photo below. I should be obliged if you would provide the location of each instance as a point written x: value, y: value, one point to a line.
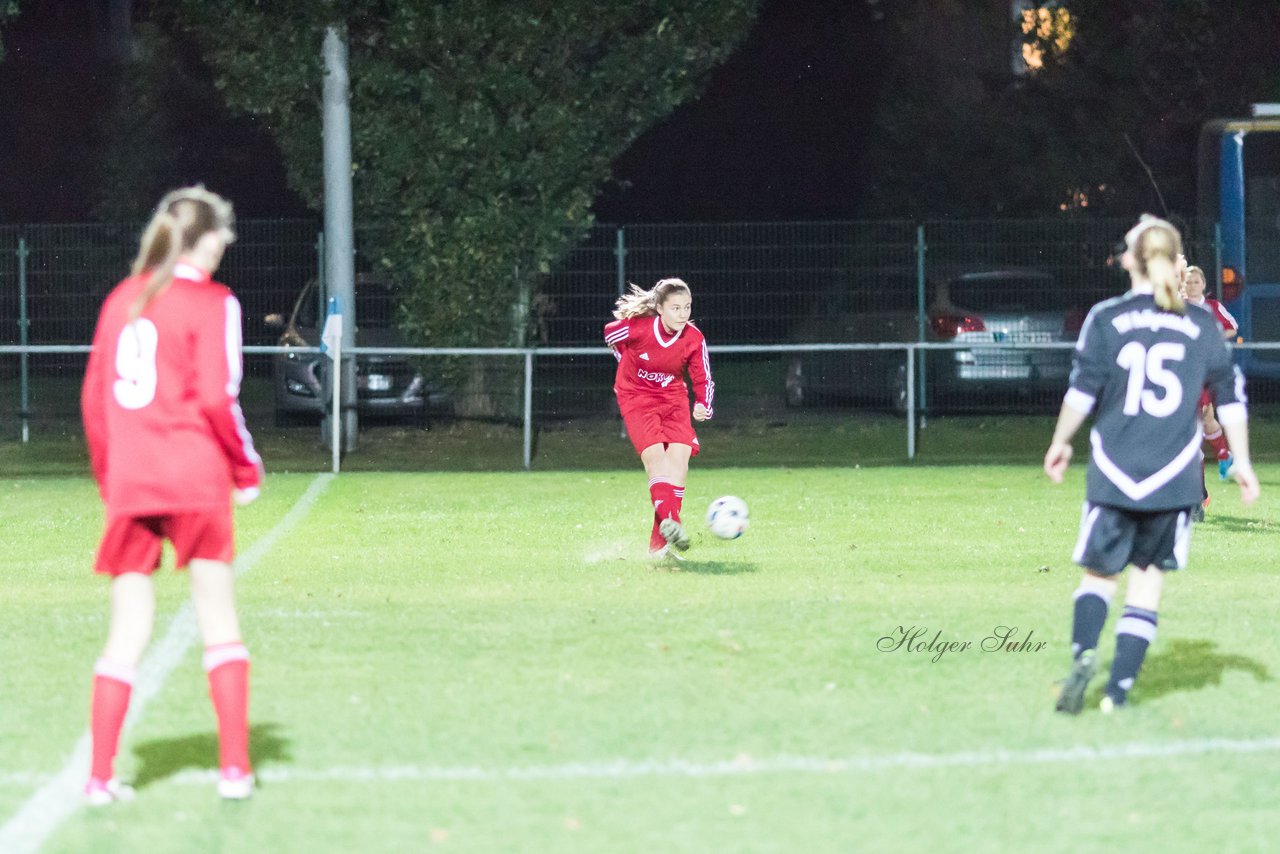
x: 1071, y: 699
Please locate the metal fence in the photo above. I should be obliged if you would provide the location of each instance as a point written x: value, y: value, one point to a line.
x: 865, y: 311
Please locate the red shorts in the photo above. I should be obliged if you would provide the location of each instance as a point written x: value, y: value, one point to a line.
x: 1205, y: 398
x: 132, y: 543
x: 660, y: 422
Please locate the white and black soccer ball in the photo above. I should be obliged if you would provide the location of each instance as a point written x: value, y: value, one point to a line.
x: 727, y: 517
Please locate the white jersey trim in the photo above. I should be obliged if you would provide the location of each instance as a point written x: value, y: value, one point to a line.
x: 657, y: 333
x: 1079, y: 401
x: 1138, y: 490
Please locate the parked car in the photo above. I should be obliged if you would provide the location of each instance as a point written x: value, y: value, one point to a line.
x: 1005, y: 306
x: 385, y: 385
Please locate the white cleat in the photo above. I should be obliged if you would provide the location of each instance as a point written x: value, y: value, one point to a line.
x: 235, y: 785
x: 101, y: 793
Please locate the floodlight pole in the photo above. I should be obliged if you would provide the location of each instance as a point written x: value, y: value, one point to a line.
x: 339, y: 217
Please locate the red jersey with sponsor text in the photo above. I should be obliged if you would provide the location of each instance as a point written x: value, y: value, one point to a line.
x: 652, y: 362
x: 160, y: 400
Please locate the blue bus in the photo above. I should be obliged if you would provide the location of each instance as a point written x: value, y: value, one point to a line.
x: 1239, y: 197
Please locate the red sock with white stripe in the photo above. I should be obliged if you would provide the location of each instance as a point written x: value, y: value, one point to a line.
x: 112, y: 685
x: 1219, y: 443
x: 677, y: 498
x: 228, y: 667
x: 662, y: 494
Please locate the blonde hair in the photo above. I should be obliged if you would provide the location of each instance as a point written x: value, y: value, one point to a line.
x: 642, y: 303
x: 180, y: 220
x: 1155, y: 244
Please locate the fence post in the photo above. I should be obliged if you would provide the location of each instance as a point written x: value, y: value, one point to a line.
x: 620, y: 252
x: 921, y: 308
x: 528, y: 409
x: 24, y: 325
x: 1217, y: 260
x: 911, y: 402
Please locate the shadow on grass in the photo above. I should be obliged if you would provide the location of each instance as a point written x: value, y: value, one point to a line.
x: 1221, y: 522
x: 1189, y: 665
x: 161, y: 758
x: 709, y: 567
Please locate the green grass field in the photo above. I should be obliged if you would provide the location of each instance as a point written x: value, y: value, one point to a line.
x: 486, y: 661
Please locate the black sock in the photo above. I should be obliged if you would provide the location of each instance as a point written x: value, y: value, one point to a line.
x: 1134, y: 633
x: 1090, y: 615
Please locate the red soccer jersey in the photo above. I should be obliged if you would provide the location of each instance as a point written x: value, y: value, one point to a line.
x: 1224, y: 318
x: 161, y: 400
x: 651, y: 363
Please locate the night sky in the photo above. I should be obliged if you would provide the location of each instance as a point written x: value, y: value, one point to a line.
x: 776, y: 134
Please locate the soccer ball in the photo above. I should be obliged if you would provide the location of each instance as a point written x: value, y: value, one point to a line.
x: 727, y: 517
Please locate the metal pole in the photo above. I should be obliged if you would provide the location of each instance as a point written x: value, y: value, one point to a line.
x: 1217, y: 260
x: 620, y: 252
x: 338, y: 213
x: 24, y: 360
x: 911, y: 402
x: 335, y: 441
x: 528, y: 409
x: 920, y: 305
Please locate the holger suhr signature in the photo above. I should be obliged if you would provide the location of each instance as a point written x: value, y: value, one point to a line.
x: 918, y: 639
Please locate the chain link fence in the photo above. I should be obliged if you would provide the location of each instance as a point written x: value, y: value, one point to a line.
x: 951, y: 317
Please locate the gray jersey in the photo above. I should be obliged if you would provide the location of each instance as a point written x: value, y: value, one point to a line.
x: 1141, y: 370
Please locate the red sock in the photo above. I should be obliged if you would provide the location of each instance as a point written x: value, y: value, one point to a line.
x: 656, y: 540
x: 677, y: 497
x: 228, y: 667
x: 662, y: 493
x: 112, y: 684
x: 1219, y: 443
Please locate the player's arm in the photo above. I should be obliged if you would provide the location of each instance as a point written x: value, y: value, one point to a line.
x: 616, y: 334
x: 704, y: 388
x: 219, y: 370
x: 1088, y: 374
x: 1226, y: 385
x: 93, y: 407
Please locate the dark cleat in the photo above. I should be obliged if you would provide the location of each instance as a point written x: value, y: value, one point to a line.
x: 673, y: 532
x: 1071, y: 699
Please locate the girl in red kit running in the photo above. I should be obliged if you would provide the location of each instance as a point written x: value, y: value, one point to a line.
x: 1193, y: 285
x: 170, y: 452
x: 655, y: 344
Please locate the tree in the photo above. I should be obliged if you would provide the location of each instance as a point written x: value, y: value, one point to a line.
x: 958, y: 133
x: 481, y: 129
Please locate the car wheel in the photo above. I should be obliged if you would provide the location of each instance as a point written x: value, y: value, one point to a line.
x: 794, y: 384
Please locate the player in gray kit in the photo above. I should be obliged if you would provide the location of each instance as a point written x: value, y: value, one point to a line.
x: 1139, y: 366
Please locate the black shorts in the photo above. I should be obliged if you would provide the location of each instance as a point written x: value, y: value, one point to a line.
x: 1111, y: 538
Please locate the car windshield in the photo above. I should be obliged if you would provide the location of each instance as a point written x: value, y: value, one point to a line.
x: 375, y: 306
x: 1008, y: 293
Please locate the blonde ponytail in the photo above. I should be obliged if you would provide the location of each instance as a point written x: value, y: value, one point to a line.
x: 158, y: 256
x: 181, y: 219
x: 638, y: 302
x: 1155, y: 244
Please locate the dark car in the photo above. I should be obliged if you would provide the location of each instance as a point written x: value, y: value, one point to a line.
x: 985, y: 307
x: 386, y: 385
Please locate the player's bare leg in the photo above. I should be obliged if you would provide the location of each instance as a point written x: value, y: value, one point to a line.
x: 227, y: 663
x: 133, y: 608
x: 1214, y: 436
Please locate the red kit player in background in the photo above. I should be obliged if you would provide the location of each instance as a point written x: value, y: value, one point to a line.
x: 655, y: 344
x: 170, y: 452
x: 1193, y: 286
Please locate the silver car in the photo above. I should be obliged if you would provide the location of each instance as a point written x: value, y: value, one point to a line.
x: 388, y: 386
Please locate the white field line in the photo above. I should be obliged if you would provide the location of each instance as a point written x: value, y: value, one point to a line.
x: 60, y: 795
x: 742, y: 765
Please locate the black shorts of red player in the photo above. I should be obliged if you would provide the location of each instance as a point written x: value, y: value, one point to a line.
x: 1112, y: 538
x: 660, y: 422
x: 132, y: 543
